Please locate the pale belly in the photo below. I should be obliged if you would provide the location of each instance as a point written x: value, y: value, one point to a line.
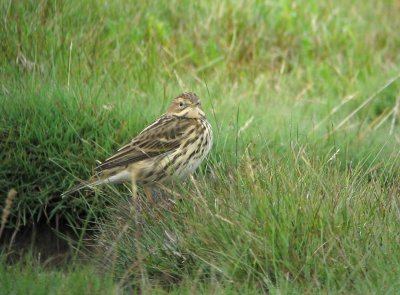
x: 193, y: 163
x: 189, y: 168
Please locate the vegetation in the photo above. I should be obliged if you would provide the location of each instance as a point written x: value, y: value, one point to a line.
x: 301, y: 191
x: 31, y: 277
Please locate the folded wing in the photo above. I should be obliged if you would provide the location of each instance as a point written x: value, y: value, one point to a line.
x: 162, y: 137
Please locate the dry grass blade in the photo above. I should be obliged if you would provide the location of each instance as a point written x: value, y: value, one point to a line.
x: 25, y: 64
x: 334, y: 110
x: 7, y: 209
x: 396, y: 110
x: 246, y: 125
x: 367, y: 101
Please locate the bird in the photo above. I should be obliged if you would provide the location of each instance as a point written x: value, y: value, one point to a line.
x: 169, y: 149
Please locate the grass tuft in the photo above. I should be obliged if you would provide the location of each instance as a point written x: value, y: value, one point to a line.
x: 300, y: 193
x: 286, y: 228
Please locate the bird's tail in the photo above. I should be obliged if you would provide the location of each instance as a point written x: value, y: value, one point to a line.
x: 85, y: 184
x: 110, y: 176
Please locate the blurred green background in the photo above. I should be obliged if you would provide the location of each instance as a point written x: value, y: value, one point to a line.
x: 281, y: 82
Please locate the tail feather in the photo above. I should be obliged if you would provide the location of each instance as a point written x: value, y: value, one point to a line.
x: 85, y: 184
x: 119, y: 177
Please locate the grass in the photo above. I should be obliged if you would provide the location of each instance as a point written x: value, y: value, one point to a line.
x: 300, y: 193
x: 295, y: 231
x: 31, y: 277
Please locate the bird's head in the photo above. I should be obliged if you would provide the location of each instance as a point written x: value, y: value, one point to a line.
x: 186, y: 105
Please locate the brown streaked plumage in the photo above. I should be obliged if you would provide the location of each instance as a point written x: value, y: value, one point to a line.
x: 172, y: 147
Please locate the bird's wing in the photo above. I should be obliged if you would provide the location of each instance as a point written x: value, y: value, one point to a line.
x: 163, y: 136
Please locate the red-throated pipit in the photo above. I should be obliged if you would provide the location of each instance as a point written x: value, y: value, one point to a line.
x: 170, y: 148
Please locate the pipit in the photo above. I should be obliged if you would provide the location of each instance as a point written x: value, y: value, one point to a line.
x: 169, y: 149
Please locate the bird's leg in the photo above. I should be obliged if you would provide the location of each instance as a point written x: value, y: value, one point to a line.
x: 134, y: 191
x: 149, y: 195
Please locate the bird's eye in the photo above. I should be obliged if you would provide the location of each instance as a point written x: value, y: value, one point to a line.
x: 181, y: 104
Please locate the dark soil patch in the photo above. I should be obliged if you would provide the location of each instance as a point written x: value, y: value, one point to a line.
x: 49, y: 242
